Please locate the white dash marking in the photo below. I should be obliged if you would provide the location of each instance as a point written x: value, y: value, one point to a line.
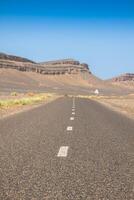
x: 63, y: 151
x: 71, y: 118
x: 69, y: 128
x: 73, y: 113
x: 73, y: 109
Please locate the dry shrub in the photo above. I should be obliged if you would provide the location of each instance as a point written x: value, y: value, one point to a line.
x: 14, y: 94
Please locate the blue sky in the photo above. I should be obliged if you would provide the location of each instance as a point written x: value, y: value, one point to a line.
x: 99, y: 32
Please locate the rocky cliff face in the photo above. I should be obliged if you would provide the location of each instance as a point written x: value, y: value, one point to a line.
x: 124, y: 77
x: 66, y: 66
x: 62, y: 62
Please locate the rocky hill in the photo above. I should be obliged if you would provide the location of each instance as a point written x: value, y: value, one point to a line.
x: 4, y: 56
x: 66, y: 66
x: 124, y: 81
x: 60, y: 62
x: 62, y: 76
x: 124, y: 77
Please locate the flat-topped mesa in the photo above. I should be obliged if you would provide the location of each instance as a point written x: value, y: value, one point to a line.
x: 124, y: 77
x: 65, y: 66
x: 63, y: 61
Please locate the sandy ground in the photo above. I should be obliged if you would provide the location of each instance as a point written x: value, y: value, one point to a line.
x: 31, y: 79
x: 124, y: 84
x: 83, y: 83
x: 123, y: 104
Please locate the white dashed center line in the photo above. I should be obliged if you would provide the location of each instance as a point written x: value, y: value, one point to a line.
x: 63, y: 151
x: 71, y: 118
x: 69, y: 128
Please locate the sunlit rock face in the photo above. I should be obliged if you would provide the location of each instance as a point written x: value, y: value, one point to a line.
x: 124, y: 77
x: 65, y: 66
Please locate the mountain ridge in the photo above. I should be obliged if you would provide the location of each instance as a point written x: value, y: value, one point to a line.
x: 14, y: 58
x: 63, y: 76
x: 64, y: 66
x: 123, y: 77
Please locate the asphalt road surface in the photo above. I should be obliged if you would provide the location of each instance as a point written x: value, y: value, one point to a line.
x: 69, y: 149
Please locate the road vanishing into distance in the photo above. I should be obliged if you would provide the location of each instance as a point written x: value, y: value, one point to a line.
x: 69, y: 149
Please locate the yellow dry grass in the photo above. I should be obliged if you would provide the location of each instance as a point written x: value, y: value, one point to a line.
x: 28, y: 99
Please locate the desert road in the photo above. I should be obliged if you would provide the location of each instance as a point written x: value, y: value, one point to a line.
x: 69, y: 149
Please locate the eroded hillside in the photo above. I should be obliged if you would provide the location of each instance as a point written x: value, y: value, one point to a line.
x: 124, y: 80
x: 67, y: 66
x: 64, y: 76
